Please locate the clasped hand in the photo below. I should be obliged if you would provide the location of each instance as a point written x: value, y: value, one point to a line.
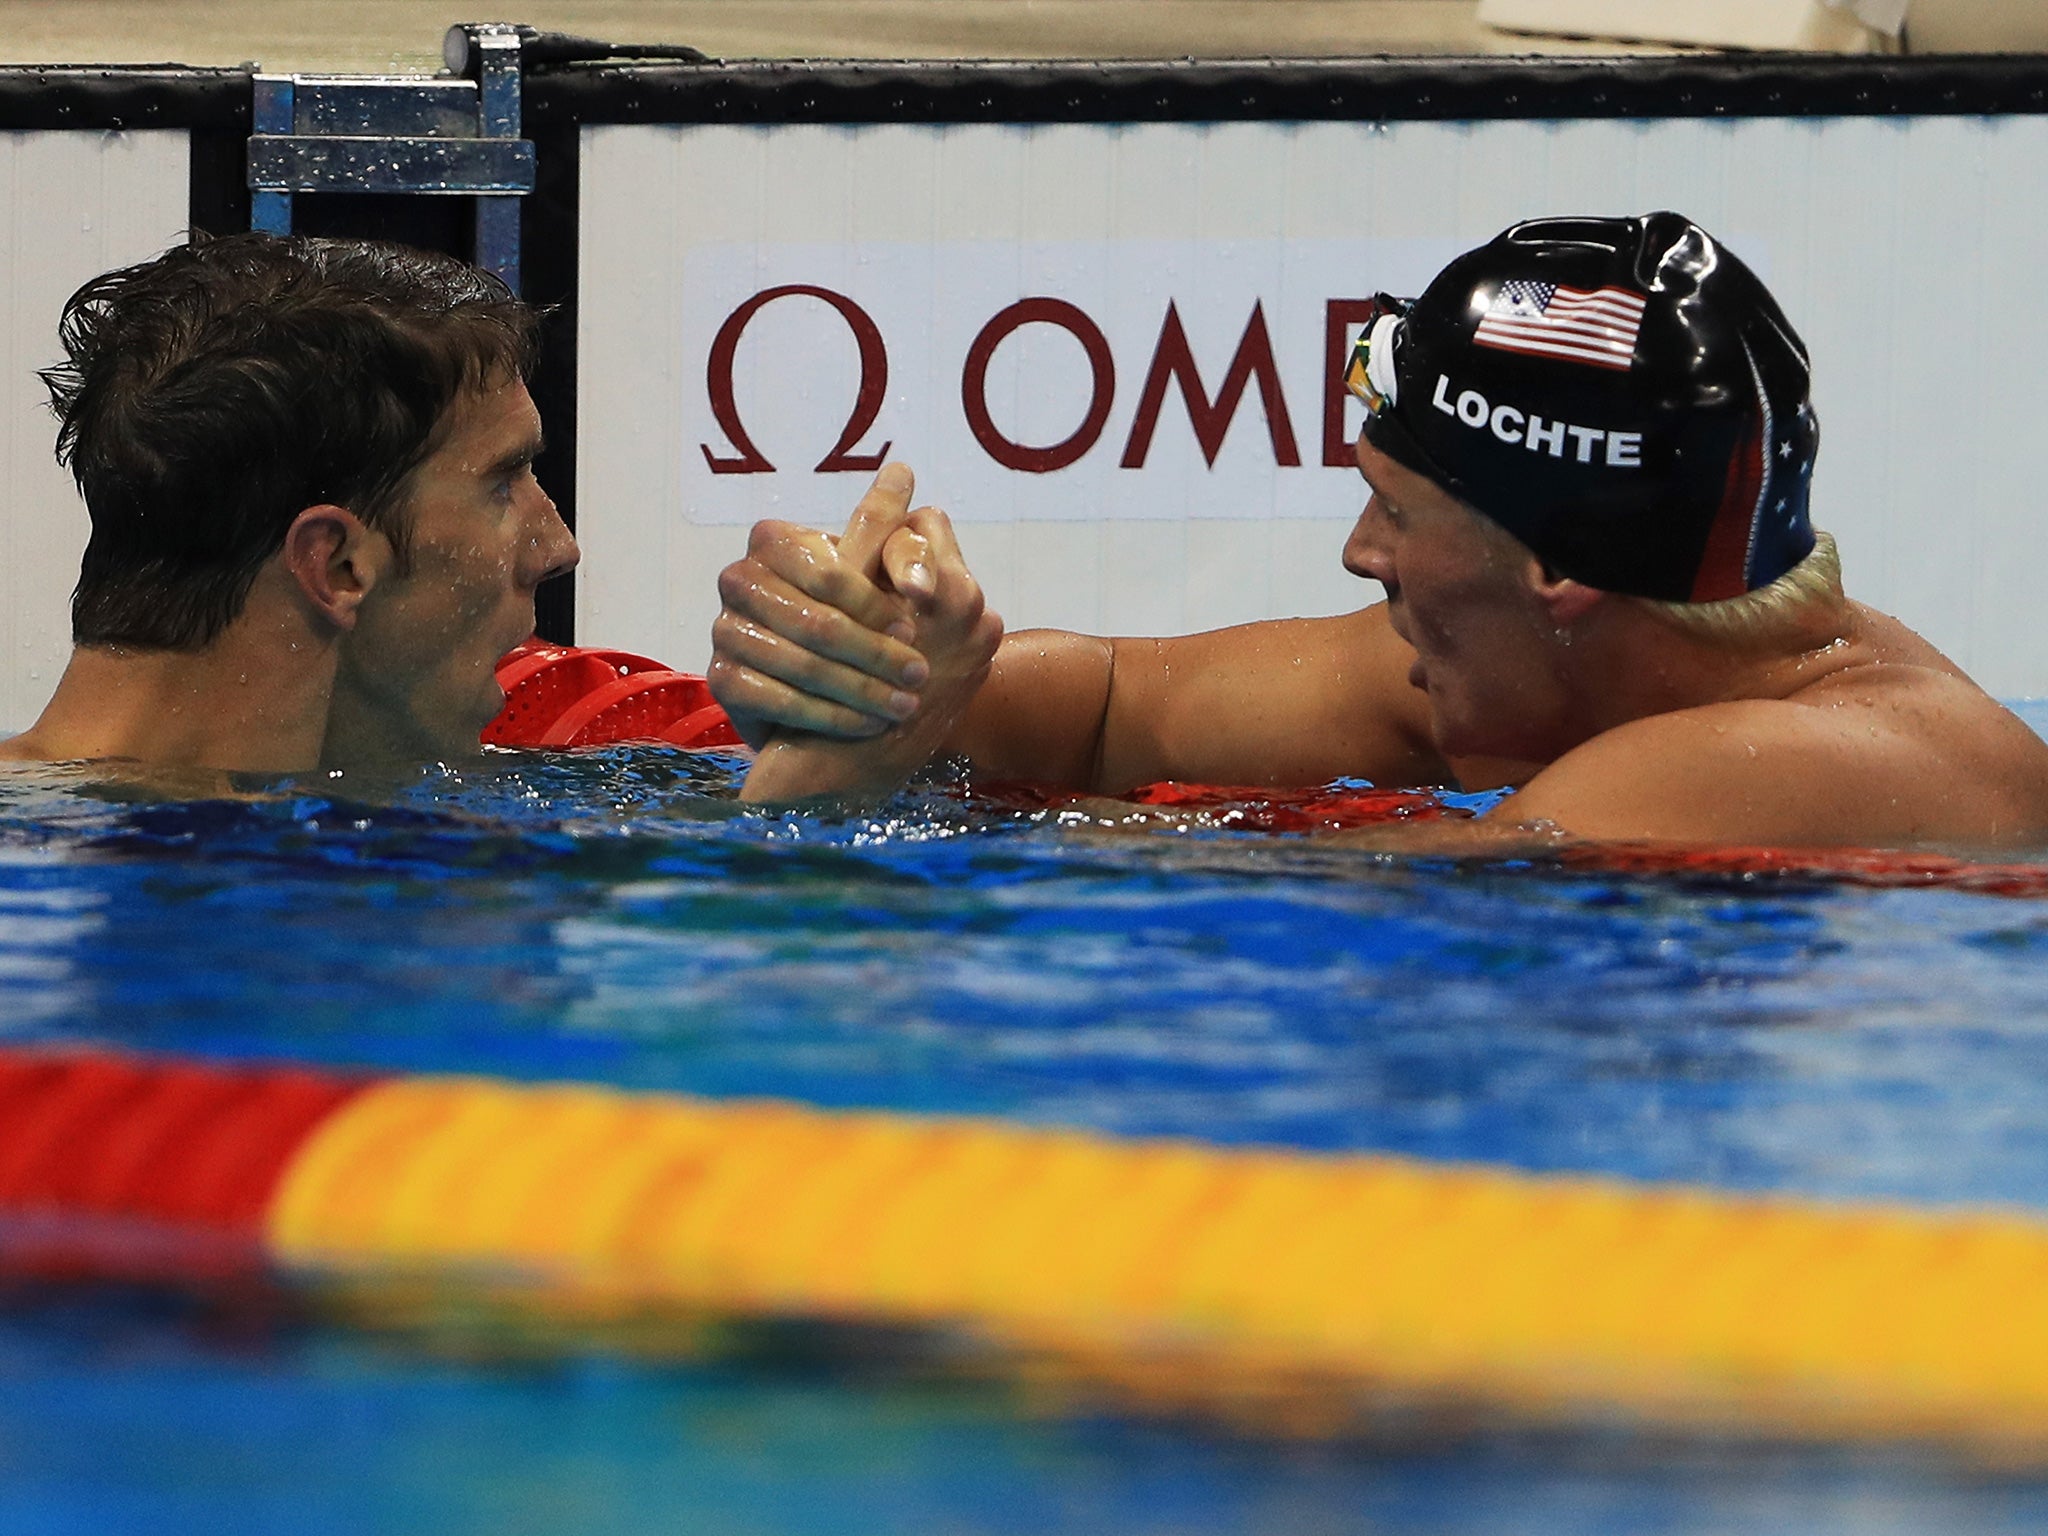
x: 847, y: 661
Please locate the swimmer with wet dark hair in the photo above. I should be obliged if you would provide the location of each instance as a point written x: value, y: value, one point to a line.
x: 315, y: 527
x: 1589, y: 451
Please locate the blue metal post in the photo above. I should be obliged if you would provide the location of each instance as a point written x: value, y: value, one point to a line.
x: 496, y: 52
x: 274, y: 112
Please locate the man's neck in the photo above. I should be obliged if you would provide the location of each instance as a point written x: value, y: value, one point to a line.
x: 254, y: 700
x: 360, y: 734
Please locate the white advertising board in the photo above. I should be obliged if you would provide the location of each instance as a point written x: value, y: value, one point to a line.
x: 1032, y: 379
x: 1107, y: 350
x: 72, y: 205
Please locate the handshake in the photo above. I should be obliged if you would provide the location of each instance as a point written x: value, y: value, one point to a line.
x: 849, y: 662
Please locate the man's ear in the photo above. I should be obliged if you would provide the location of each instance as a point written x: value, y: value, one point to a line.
x: 335, y: 559
x: 1564, y: 601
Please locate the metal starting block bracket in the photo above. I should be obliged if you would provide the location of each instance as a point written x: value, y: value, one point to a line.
x: 441, y: 136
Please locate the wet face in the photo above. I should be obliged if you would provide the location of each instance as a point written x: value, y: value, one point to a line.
x: 1462, y: 593
x: 415, y: 679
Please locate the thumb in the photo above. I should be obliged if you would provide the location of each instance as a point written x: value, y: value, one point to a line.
x: 884, y: 509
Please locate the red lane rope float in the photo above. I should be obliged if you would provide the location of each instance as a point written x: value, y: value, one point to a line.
x: 188, y: 1145
x: 124, y: 1169
x: 1247, y: 808
x: 1287, y: 1291
x: 1255, y: 808
x: 708, y: 726
x: 1297, y: 810
x: 575, y: 696
x: 1847, y: 866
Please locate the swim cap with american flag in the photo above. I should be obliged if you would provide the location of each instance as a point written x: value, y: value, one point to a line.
x: 1622, y: 395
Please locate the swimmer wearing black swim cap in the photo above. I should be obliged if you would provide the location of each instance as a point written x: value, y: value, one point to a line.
x: 1622, y: 395
x: 1589, y: 448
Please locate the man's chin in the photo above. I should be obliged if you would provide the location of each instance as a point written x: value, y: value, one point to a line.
x: 1503, y: 757
x: 1455, y: 738
x: 409, y: 743
x: 467, y: 742
x: 455, y: 734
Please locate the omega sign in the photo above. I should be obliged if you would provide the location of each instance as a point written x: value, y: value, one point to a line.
x: 1168, y: 371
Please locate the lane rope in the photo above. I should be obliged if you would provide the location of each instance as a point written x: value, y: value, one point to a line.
x: 1278, y: 1288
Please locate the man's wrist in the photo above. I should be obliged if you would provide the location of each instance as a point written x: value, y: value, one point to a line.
x: 793, y: 769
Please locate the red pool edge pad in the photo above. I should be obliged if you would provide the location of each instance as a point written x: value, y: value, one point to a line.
x: 566, y: 696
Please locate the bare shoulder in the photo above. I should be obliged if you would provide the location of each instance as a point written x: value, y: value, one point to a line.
x: 1903, y: 750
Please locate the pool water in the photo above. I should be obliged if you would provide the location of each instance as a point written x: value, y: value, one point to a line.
x: 613, y: 917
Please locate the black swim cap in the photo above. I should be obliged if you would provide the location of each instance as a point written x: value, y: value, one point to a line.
x: 1622, y: 395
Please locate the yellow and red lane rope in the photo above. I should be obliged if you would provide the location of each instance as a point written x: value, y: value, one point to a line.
x: 1193, y: 1273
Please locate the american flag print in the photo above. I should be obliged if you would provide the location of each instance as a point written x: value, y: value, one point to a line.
x: 1596, y: 326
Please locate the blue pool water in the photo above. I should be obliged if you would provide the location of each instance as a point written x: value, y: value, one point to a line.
x: 613, y: 918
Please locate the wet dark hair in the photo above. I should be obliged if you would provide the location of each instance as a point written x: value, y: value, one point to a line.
x: 215, y: 392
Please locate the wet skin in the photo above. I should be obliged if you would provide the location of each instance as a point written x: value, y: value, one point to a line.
x: 1464, y: 597
x: 415, y: 678
x: 1843, y: 726
x: 939, y: 609
x: 1840, y: 727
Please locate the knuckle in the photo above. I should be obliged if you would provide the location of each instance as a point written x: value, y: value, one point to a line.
x: 849, y: 722
x: 809, y: 625
x: 832, y: 590
x: 733, y: 633
x: 724, y: 679
x: 735, y: 581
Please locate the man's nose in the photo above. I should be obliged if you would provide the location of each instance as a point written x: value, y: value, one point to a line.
x: 552, y: 550
x: 1366, y: 553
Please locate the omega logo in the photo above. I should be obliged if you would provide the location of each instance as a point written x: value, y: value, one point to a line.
x: 867, y: 405
x: 1172, y: 365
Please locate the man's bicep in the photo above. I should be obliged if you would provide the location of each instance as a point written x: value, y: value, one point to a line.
x: 1039, y: 715
x: 1294, y: 701
x: 1291, y: 701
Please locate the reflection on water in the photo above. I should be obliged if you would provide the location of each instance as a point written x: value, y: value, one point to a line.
x: 130, y: 1414
x: 616, y: 918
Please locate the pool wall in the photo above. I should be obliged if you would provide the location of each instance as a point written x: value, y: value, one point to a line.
x: 72, y: 204
x: 1094, y: 306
